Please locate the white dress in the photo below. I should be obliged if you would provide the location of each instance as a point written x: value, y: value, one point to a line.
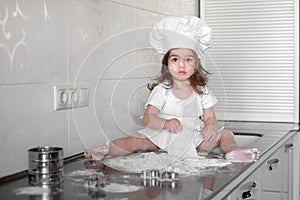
x: 187, y: 111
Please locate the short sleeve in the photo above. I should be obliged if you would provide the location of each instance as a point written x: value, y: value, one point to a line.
x: 157, y: 97
x: 208, y: 98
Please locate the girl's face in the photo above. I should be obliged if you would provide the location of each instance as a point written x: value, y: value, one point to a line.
x: 181, y: 63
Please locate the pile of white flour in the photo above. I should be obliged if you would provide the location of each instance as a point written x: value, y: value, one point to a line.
x: 138, y: 162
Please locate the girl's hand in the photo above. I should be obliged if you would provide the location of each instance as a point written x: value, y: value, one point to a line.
x: 209, y: 133
x: 173, y: 125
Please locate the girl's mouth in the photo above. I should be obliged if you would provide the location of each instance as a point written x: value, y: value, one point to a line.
x: 182, y: 72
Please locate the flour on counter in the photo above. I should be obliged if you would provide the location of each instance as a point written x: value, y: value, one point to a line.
x: 138, y: 162
x: 96, y: 180
x: 85, y: 172
x: 32, y: 191
x: 118, y: 188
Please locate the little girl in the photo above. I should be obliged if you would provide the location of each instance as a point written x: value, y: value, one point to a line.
x: 179, y: 115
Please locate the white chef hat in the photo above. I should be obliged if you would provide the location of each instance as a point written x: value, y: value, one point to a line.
x: 181, y: 32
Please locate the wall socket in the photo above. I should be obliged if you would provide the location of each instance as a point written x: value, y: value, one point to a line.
x: 68, y: 97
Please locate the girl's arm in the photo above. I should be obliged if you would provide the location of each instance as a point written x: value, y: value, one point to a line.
x: 210, y: 124
x: 152, y: 120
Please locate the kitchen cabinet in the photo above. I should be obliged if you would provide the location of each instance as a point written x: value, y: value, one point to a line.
x: 276, y: 173
x: 249, y: 189
x: 277, y: 178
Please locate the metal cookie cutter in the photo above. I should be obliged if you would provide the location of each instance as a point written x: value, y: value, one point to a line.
x: 164, y: 180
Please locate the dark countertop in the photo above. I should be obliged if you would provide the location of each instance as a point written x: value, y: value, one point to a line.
x: 87, y: 179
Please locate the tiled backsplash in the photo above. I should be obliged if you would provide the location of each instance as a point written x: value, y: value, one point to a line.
x: 100, y: 44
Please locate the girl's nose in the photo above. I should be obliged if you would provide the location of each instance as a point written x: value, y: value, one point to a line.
x: 181, y: 63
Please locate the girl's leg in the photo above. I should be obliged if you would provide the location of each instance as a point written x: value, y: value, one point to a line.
x: 227, y: 142
x: 131, y: 144
x: 232, y: 151
x: 121, y: 146
x: 235, y: 153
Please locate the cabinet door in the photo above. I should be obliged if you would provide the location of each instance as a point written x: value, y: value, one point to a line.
x: 249, y: 189
x: 277, y: 171
x: 274, y: 196
x: 272, y: 173
x: 288, y: 155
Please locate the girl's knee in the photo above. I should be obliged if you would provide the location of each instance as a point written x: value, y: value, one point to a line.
x: 143, y: 143
x: 139, y: 135
x: 227, y: 134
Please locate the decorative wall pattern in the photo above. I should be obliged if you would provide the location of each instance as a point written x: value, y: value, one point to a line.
x: 102, y: 44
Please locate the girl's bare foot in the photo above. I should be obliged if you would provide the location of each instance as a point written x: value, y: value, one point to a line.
x: 243, y: 155
x: 88, y: 154
x: 98, y: 152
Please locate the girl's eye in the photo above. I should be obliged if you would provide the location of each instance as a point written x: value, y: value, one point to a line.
x: 174, y: 59
x: 188, y: 59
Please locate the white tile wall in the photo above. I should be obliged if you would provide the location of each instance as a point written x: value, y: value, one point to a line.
x: 27, y: 120
x: 101, y: 44
x: 32, y: 47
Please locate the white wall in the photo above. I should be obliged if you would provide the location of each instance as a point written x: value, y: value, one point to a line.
x: 99, y: 44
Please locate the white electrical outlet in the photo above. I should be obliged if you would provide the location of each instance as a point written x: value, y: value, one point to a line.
x: 68, y: 97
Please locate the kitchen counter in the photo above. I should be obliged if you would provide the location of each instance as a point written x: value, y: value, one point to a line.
x: 87, y: 179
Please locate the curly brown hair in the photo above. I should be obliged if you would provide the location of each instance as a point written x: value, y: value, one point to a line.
x: 199, y: 78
